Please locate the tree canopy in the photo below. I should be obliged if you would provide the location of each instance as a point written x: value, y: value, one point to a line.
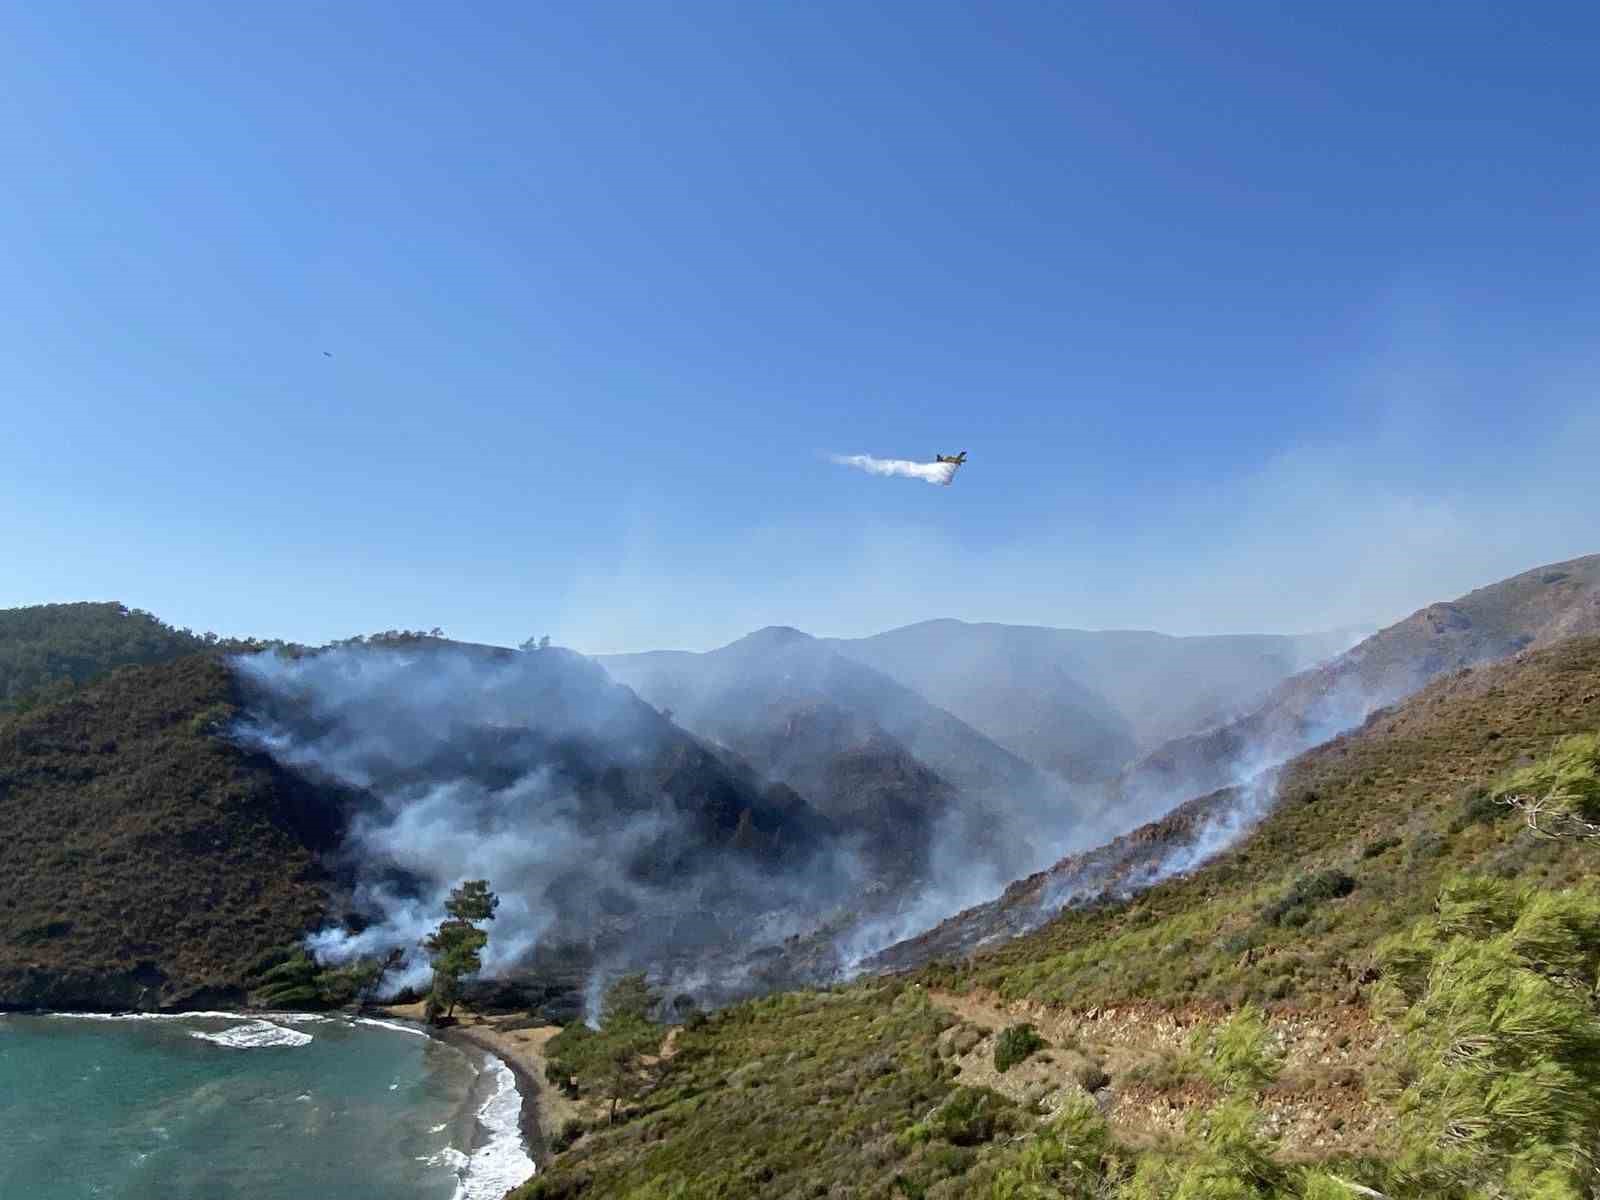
x: 455, y: 947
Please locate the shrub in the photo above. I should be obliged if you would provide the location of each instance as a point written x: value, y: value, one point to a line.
x: 1090, y: 1075
x: 1426, y: 845
x: 1476, y: 906
x: 1228, y: 1158
x: 1501, y: 1078
x: 969, y: 1117
x: 1478, y: 806
x: 571, y: 1130
x: 1306, y: 893
x: 1068, y: 1160
x: 1239, y: 1054
x: 1014, y: 1045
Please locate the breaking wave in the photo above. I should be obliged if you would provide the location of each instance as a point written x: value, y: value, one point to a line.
x: 254, y: 1034
x: 501, y: 1162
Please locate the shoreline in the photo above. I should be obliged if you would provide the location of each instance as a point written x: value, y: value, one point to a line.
x: 533, y: 1134
x: 543, y: 1109
x: 472, y: 1039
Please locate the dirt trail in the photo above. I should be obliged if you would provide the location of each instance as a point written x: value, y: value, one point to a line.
x: 1131, y: 1059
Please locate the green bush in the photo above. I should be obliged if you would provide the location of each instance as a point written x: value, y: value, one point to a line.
x: 1015, y: 1044
x: 1239, y: 1054
x: 971, y: 1116
x: 1067, y: 1161
x: 1306, y: 893
x: 1227, y: 1157
x: 1501, y: 1079
x: 1476, y: 906
x: 571, y: 1130
x: 1478, y: 806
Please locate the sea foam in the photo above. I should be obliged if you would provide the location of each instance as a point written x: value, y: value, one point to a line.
x: 501, y: 1162
x: 254, y: 1034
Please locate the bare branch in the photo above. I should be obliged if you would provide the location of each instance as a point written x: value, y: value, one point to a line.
x: 1358, y: 1189
x: 1545, y: 822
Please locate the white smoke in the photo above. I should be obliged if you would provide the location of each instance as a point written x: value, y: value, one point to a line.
x: 592, y: 818
x: 940, y: 473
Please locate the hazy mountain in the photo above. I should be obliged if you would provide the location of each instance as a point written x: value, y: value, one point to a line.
x: 1388, y: 830
x: 1080, y: 703
x: 1534, y: 609
x: 744, y: 695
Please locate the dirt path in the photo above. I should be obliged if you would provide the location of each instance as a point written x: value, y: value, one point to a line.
x: 1132, y: 1060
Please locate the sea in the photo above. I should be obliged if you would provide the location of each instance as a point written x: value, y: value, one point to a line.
x: 219, y: 1106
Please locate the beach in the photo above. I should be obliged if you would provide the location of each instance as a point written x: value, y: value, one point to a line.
x: 544, y: 1109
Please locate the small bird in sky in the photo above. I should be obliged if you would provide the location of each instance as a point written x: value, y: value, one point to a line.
x: 327, y: 354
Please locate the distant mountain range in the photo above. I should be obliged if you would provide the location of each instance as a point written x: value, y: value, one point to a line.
x: 1199, y: 794
x: 980, y: 703
x: 1083, y: 704
x: 159, y: 851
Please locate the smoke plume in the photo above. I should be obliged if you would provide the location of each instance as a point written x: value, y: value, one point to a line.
x: 615, y: 840
x: 941, y: 473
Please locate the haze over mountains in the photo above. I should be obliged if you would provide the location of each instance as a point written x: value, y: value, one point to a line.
x: 1077, y: 703
x: 1528, y: 611
x: 1084, y: 703
x: 668, y: 810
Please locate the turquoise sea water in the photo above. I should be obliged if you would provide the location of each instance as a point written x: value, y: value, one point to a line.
x: 225, y: 1107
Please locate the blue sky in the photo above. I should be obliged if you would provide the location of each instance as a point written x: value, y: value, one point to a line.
x: 1252, y: 317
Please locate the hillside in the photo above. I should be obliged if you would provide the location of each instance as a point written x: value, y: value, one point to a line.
x: 738, y: 694
x: 1080, y: 703
x: 889, y: 1087
x: 1530, y: 610
x: 615, y: 838
x: 49, y: 649
x: 147, y: 862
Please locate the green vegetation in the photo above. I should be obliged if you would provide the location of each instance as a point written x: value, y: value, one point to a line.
x: 147, y: 861
x: 795, y: 1095
x: 1401, y: 807
x: 454, y: 949
x: 1406, y: 903
x: 50, y: 650
x: 1559, y: 795
x: 1500, y: 1079
x: 1305, y: 895
x: 609, y: 1063
x: 1238, y: 1055
x: 1014, y: 1045
x: 299, y: 981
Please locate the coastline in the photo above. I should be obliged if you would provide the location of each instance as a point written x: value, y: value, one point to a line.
x: 533, y: 1135
x: 543, y: 1110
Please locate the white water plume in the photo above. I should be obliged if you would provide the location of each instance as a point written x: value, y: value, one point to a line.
x: 940, y: 473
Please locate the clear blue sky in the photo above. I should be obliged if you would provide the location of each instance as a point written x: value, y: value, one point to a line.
x: 1252, y: 316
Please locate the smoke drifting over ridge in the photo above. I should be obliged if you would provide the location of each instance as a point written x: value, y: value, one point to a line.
x: 615, y: 840
x: 940, y: 473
